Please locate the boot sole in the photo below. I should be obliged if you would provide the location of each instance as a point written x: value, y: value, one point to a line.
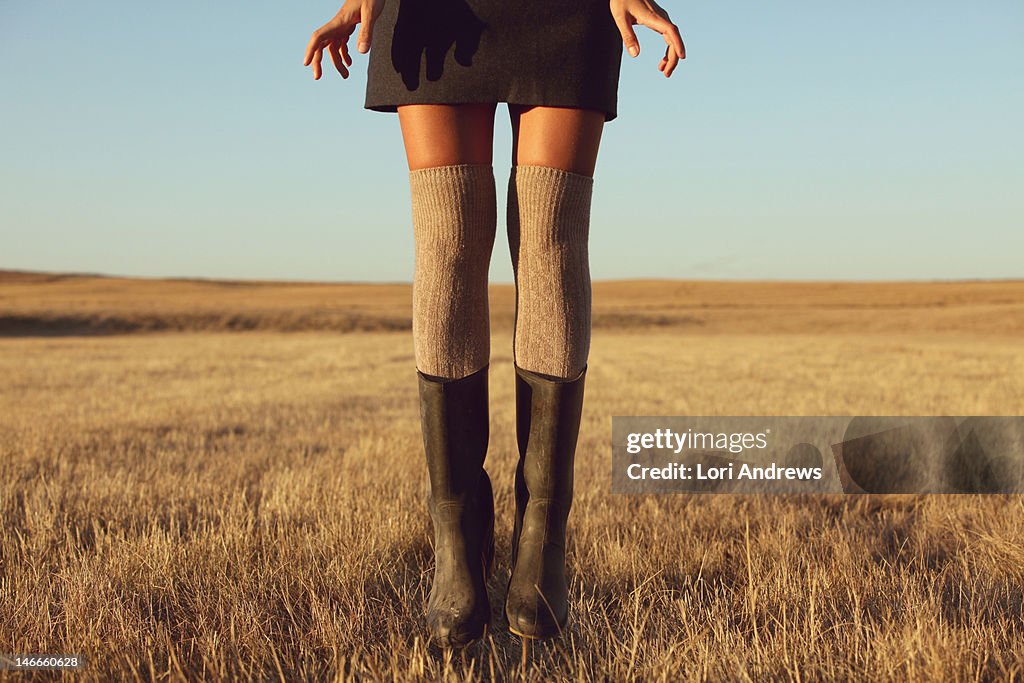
x: 532, y: 636
x: 523, y: 635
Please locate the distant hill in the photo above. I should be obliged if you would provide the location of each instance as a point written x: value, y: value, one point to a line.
x: 80, y: 304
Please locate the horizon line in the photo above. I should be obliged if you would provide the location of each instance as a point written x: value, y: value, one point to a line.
x: 386, y: 283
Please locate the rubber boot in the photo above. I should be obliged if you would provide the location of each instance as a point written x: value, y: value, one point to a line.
x: 454, y: 418
x: 548, y: 415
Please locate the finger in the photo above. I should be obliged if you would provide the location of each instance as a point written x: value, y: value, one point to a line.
x: 334, y: 50
x: 314, y: 42
x: 318, y: 55
x: 366, y: 30
x: 628, y: 35
x: 673, y: 38
x: 344, y: 52
x: 677, y: 42
x: 668, y: 30
x: 671, y: 61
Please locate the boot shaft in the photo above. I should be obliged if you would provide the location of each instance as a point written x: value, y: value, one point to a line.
x: 455, y: 425
x: 548, y: 414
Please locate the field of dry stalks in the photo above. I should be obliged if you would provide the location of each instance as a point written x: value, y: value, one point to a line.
x: 204, y: 480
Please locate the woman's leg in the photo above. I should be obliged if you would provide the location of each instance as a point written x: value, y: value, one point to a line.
x: 454, y: 217
x: 449, y: 149
x: 554, y: 154
x: 548, y: 222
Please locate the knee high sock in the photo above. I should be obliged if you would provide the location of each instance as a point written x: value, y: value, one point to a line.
x: 454, y: 216
x: 548, y: 231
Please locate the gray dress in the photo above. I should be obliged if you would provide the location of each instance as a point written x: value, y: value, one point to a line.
x: 532, y: 52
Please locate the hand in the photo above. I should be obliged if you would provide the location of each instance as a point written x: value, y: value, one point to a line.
x: 648, y: 13
x: 333, y: 36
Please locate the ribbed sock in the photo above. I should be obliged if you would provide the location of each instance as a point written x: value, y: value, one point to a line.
x: 454, y: 216
x: 548, y: 232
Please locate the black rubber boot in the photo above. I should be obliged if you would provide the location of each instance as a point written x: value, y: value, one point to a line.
x: 548, y: 415
x: 454, y: 417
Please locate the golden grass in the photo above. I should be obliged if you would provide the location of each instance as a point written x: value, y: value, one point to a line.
x: 219, y: 506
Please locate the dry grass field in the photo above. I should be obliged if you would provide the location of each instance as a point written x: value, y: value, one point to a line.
x: 213, y: 480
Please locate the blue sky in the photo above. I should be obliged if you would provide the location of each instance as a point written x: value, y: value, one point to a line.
x: 867, y: 140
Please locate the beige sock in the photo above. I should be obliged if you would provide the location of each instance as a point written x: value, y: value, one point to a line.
x: 454, y: 216
x: 548, y: 230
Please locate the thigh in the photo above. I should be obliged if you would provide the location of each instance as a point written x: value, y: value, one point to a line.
x: 558, y: 137
x: 447, y: 134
